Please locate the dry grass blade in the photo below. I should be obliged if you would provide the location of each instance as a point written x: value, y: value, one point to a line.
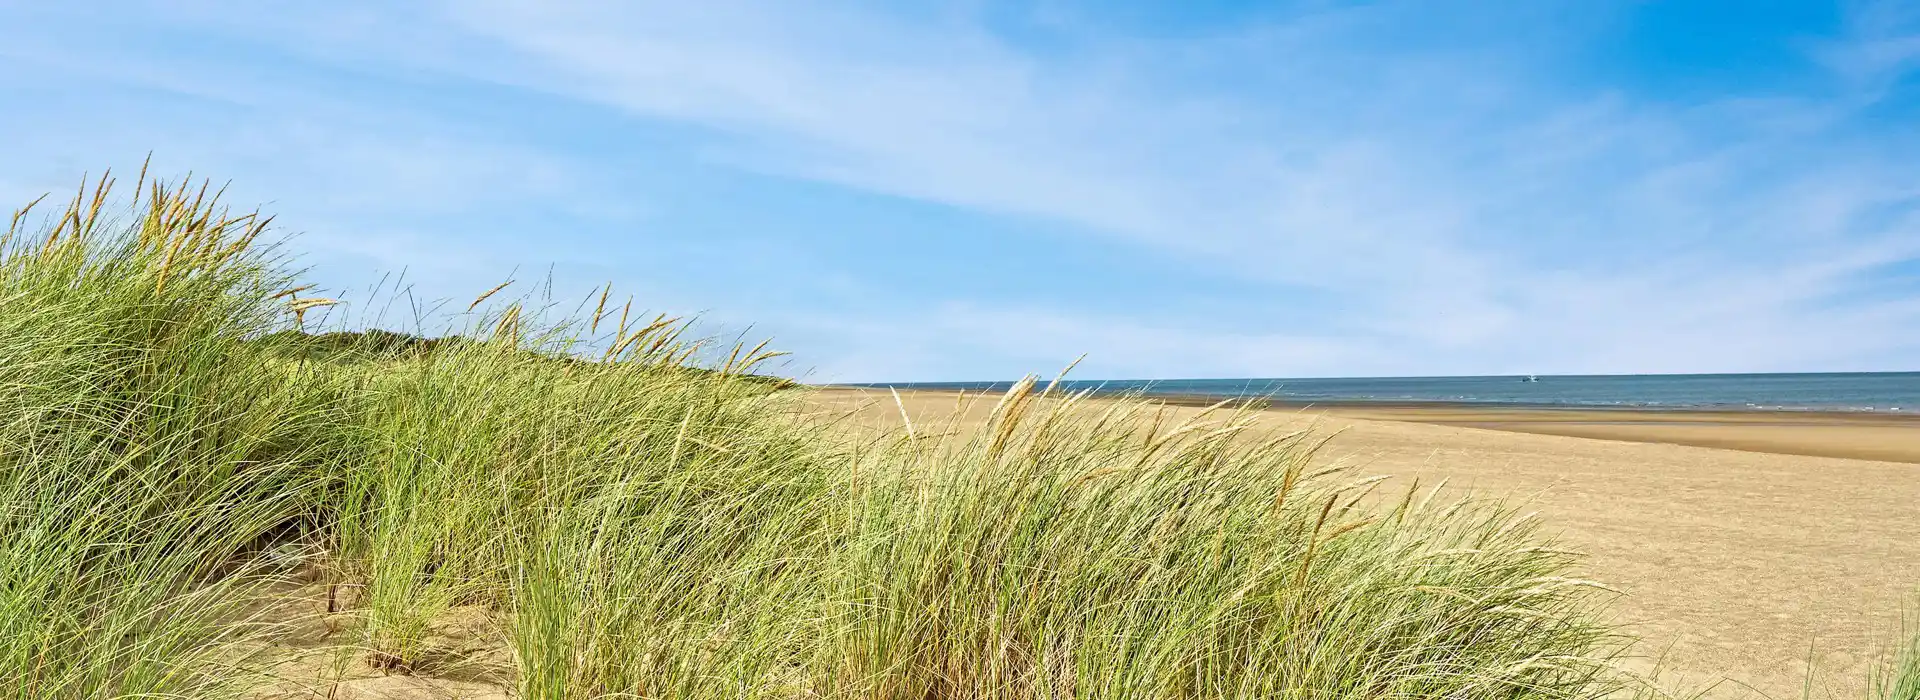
x: 1062, y: 376
x: 483, y: 296
x: 311, y: 303
x: 905, y: 420
x: 1313, y: 542
x: 1006, y: 415
x: 294, y: 292
x: 507, y: 330
x: 600, y: 309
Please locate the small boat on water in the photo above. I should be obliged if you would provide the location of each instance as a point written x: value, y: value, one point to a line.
x: 1530, y: 378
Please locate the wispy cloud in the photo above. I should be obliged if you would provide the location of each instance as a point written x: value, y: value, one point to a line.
x: 1395, y: 201
x: 1592, y: 232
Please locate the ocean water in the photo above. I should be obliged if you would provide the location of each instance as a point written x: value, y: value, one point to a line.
x: 1853, y: 391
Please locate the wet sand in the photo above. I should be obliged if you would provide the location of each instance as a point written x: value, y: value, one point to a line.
x: 1748, y: 543
x: 1869, y: 436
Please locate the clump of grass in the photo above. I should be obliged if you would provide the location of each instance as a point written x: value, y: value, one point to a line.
x: 473, y: 453
x: 694, y: 575
x: 1065, y: 551
x: 647, y: 524
x: 143, y: 450
x: 1898, y: 675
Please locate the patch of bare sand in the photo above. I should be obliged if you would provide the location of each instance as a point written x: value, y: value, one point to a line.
x: 312, y: 654
x: 1889, y: 437
x: 1737, y: 563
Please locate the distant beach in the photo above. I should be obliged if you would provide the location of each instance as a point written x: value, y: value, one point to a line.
x: 1890, y: 436
x: 1857, y: 415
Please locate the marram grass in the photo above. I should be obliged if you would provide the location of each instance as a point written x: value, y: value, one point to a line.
x: 645, y: 524
x: 145, y: 449
x: 1898, y: 675
x: 1059, y: 553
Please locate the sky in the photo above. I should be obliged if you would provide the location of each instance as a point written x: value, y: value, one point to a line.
x: 977, y: 190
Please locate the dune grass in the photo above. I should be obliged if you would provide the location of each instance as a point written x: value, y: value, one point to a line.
x: 1058, y: 553
x: 1898, y: 675
x: 644, y: 524
x: 144, y: 450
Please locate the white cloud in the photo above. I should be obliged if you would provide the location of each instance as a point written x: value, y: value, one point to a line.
x: 1461, y: 213
x: 1611, y: 235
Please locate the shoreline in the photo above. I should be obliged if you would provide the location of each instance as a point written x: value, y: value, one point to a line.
x: 1202, y: 400
x: 1884, y: 436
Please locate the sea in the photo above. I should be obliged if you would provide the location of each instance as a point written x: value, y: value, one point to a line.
x: 1892, y: 392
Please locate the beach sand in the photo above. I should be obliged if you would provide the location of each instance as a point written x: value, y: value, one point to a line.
x: 1748, y: 544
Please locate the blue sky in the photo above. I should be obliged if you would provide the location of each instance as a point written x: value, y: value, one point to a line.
x: 976, y: 190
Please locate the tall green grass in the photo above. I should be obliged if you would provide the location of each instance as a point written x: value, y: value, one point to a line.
x: 145, y: 449
x: 641, y: 523
x: 1061, y: 554
x: 1898, y: 675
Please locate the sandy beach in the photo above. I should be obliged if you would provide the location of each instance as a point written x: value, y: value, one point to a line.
x: 1748, y: 544
x: 1883, y: 437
